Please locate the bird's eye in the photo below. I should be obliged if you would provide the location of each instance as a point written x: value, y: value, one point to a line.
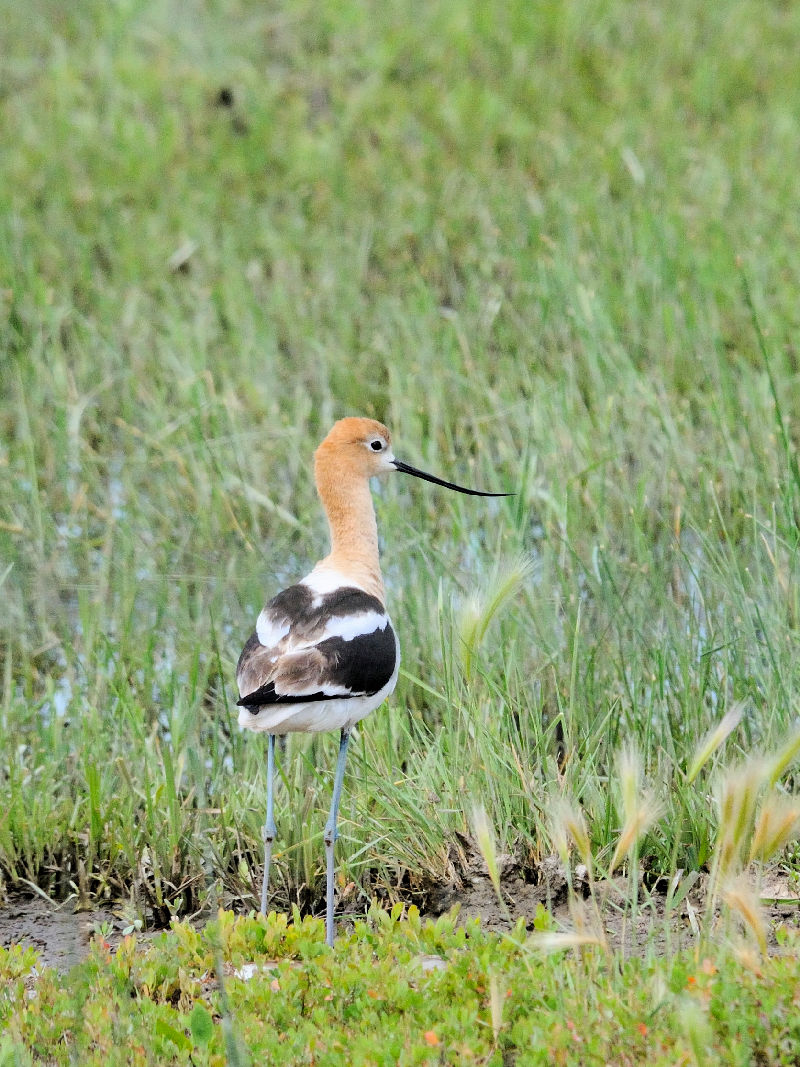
x: 376, y: 445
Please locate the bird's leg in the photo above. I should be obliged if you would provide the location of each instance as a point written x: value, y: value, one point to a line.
x: 331, y: 833
x: 269, y: 830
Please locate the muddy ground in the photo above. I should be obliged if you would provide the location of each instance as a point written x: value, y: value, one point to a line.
x: 61, y: 934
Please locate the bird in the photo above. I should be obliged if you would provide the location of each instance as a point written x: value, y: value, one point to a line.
x: 324, y: 652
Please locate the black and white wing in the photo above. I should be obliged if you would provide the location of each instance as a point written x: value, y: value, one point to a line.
x: 309, y: 647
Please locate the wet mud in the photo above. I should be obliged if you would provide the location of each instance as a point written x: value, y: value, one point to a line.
x: 62, y: 935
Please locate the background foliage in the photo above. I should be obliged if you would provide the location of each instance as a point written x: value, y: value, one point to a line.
x: 522, y: 234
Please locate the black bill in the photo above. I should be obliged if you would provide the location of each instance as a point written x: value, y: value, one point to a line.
x: 405, y: 469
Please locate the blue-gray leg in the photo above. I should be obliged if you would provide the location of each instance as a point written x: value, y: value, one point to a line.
x: 269, y: 830
x: 331, y: 833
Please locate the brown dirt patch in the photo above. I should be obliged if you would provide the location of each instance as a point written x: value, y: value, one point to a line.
x: 62, y: 935
x: 607, y: 914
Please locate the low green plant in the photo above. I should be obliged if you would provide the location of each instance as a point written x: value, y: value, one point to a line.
x: 517, y: 233
x: 378, y: 999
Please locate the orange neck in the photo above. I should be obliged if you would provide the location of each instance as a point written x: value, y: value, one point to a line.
x: 353, y: 528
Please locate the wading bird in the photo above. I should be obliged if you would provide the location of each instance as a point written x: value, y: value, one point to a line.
x: 324, y: 654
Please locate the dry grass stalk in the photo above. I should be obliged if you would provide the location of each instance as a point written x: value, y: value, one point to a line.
x: 713, y: 739
x: 640, y: 807
x: 741, y: 898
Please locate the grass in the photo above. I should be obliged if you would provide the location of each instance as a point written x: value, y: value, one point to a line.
x: 429, y: 993
x: 553, y: 246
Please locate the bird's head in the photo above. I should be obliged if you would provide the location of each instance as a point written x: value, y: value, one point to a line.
x: 363, y: 447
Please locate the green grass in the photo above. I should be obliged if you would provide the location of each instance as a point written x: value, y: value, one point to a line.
x: 542, y: 242
x: 394, y: 992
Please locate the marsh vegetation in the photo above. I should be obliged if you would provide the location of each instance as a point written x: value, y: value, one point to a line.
x: 554, y: 248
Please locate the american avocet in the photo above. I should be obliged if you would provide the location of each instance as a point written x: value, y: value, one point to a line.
x: 324, y: 653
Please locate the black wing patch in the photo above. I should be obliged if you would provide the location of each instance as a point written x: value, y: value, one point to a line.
x: 363, y: 666
x: 305, y: 611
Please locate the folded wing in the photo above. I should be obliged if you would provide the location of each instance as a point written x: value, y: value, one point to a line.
x: 308, y: 647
